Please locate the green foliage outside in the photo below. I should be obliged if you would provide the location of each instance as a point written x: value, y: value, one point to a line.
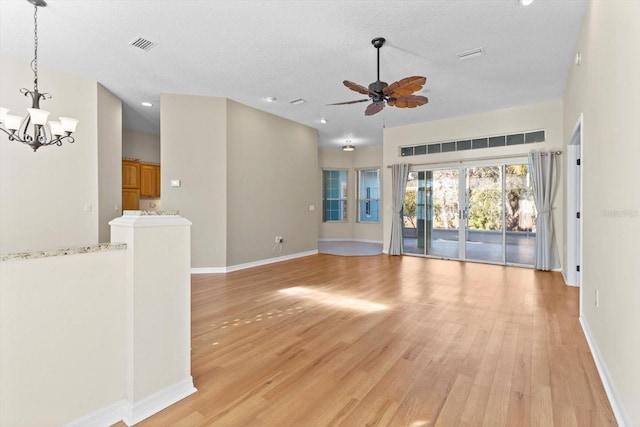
x: 485, y: 200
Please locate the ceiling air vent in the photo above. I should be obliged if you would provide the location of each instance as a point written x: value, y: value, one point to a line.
x: 471, y: 54
x: 142, y: 43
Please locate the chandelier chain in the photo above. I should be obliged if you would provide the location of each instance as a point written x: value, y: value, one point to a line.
x: 34, y: 63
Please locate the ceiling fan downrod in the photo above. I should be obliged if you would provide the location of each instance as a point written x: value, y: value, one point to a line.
x: 378, y: 86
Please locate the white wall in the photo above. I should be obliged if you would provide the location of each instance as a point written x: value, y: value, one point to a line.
x: 199, y: 159
x: 62, y: 337
x: 141, y: 145
x: 547, y: 116
x: 606, y: 89
x: 43, y: 195
x: 335, y: 158
x: 272, y: 181
x: 109, y: 160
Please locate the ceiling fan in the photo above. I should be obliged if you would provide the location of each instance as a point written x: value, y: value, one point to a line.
x: 398, y: 94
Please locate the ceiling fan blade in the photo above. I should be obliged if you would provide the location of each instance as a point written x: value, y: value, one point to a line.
x: 351, y: 102
x: 356, y: 87
x: 409, y: 101
x: 405, y: 87
x: 373, y: 108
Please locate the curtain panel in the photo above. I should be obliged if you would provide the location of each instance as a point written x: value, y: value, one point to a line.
x: 542, y: 167
x: 399, y: 175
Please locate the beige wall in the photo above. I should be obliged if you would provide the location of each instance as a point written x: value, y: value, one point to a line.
x: 606, y: 89
x: 547, y: 116
x: 141, y: 145
x: 197, y: 155
x: 272, y: 181
x: 62, y: 337
x: 334, y: 158
x: 44, y: 195
x: 109, y: 160
x: 250, y: 177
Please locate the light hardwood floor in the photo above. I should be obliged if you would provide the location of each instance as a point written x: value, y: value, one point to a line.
x: 388, y: 341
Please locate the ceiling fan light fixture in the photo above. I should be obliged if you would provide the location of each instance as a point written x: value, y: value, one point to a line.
x: 349, y: 146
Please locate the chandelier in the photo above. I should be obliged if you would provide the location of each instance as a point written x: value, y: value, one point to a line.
x: 44, y: 133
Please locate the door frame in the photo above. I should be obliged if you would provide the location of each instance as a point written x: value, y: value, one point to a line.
x: 574, y: 194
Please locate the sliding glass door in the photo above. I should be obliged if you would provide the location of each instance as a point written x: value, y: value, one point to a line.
x: 482, y: 213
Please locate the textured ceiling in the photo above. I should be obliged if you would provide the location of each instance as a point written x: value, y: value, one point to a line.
x: 249, y: 50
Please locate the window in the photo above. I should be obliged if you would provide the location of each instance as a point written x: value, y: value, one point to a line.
x: 334, y: 192
x: 369, y: 195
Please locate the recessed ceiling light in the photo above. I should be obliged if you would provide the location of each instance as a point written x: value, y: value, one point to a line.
x: 270, y: 99
x: 297, y: 101
x: 471, y: 53
x: 147, y: 104
x: 324, y: 121
x: 526, y: 2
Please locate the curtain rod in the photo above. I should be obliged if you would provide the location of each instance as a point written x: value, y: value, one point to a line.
x: 473, y: 159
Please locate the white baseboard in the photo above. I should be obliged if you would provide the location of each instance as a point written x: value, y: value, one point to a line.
x: 237, y: 267
x: 158, y: 401
x: 130, y: 414
x: 616, y: 405
x: 106, y: 416
x: 209, y: 270
x: 380, y: 242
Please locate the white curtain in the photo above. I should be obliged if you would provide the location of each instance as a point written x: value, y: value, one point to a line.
x: 542, y: 167
x: 399, y: 175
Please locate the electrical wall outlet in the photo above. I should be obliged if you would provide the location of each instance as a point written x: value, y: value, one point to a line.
x: 278, y: 238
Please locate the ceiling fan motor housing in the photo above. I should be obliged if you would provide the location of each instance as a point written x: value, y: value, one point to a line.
x: 378, y: 86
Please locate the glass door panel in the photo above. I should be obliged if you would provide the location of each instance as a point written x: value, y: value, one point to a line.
x: 413, y: 215
x: 442, y: 219
x: 430, y: 213
x: 520, y: 215
x: 484, y: 214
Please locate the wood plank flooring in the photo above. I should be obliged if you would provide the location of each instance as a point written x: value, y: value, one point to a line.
x: 388, y: 341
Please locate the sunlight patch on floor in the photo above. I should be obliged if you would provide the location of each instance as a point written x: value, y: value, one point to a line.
x: 334, y: 300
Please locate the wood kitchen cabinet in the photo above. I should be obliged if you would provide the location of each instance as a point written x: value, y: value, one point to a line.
x: 130, y: 199
x: 131, y: 174
x: 149, y: 180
